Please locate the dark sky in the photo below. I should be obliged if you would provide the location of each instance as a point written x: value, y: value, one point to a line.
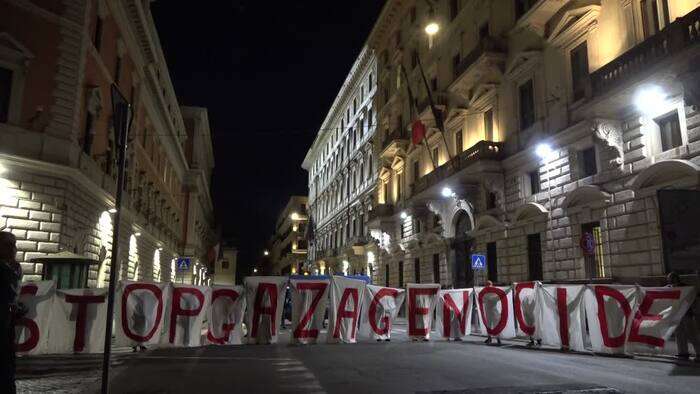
x: 268, y: 73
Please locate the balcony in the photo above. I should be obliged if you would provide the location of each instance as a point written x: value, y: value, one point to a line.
x: 479, y: 65
x: 380, y: 211
x: 398, y: 138
x: 483, y: 150
x: 682, y: 34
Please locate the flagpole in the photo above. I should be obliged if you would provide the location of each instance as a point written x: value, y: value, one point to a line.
x: 411, y: 106
x: 433, y: 109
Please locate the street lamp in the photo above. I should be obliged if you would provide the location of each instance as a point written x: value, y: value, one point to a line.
x: 650, y: 99
x: 112, y: 210
x: 266, y: 253
x: 122, y: 116
x: 544, y: 151
x: 404, y: 215
x: 255, y: 270
x: 294, y: 216
x: 447, y: 192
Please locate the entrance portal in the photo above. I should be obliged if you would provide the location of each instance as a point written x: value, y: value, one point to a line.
x: 462, y: 249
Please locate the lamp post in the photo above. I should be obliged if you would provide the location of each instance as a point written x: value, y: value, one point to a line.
x: 122, y: 117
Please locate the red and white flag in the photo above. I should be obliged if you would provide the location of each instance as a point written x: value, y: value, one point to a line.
x: 78, y: 322
x: 609, y: 313
x: 560, y: 316
x: 495, y: 311
x: 345, y: 307
x: 309, y: 302
x: 226, y: 313
x: 265, y: 300
x: 422, y: 299
x: 380, y: 308
x: 454, y: 313
x: 659, y: 312
x: 32, y: 329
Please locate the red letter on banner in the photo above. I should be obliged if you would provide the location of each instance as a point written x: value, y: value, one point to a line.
x: 517, y: 304
x: 386, y: 323
x: 177, y: 310
x: 448, y: 305
x: 259, y: 309
x: 227, y: 327
x: 320, y: 288
x: 158, y: 294
x: 83, y: 301
x: 413, y: 310
x: 504, y: 309
x: 643, y: 314
x: 600, y: 292
x: 30, y: 324
x: 563, y: 317
x: 344, y: 313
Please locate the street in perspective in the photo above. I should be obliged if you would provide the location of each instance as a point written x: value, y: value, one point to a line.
x: 377, y: 196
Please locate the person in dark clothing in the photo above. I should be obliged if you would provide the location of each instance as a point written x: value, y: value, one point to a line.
x: 10, y: 278
x: 687, y: 330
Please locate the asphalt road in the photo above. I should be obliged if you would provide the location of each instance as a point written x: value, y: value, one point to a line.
x: 396, y: 367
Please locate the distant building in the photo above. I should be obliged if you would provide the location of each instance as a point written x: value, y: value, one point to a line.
x: 58, y: 145
x: 342, y: 167
x: 571, y: 143
x: 288, y: 247
x: 225, y: 267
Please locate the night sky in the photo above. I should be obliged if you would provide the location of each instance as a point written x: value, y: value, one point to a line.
x: 268, y: 72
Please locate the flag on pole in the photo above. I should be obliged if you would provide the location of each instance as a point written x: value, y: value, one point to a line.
x: 418, y: 132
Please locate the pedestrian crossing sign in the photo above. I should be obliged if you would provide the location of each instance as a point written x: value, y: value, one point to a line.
x: 183, y: 263
x: 478, y: 261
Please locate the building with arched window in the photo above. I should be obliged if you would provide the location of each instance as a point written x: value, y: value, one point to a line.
x: 342, y: 177
x: 561, y: 140
x: 58, y: 146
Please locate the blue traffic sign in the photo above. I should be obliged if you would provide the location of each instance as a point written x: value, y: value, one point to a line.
x: 478, y: 262
x: 183, y: 263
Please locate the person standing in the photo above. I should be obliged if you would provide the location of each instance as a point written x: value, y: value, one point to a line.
x: 10, y: 279
x: 687, y: 330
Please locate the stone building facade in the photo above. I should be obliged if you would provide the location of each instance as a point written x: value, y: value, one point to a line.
x: 58, y: 146
x: 289, y: 247
x: 342, y: 167
x: 570, y: 131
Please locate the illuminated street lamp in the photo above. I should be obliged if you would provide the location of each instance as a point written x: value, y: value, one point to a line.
x: 255, y: 270
x: 544, y: 151
x: 112, y: 210
x: 266, y: 253
x: 447, y: 192
x: 650, y: 100
x: 294, y: 216
x: 404, y: 215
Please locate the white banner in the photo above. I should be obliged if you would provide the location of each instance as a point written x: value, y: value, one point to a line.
x: 454, y: 313
x: 186, y: 314
x: 380, y: 308
x: 524, y: 307
x: 344, y: 312
x: 78, y: 321
x: 420, y: 306
x: 309, y: 302
x: 659, y: 313
x: 140, y: 310
x: 609, y: 312
x: 560, y: 316
x: 32, y: 330
x: 225, y: 317
x: 495, y: 311
x: 265, y: 300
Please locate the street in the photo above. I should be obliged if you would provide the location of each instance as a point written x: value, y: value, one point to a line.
x: 367, y: 367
